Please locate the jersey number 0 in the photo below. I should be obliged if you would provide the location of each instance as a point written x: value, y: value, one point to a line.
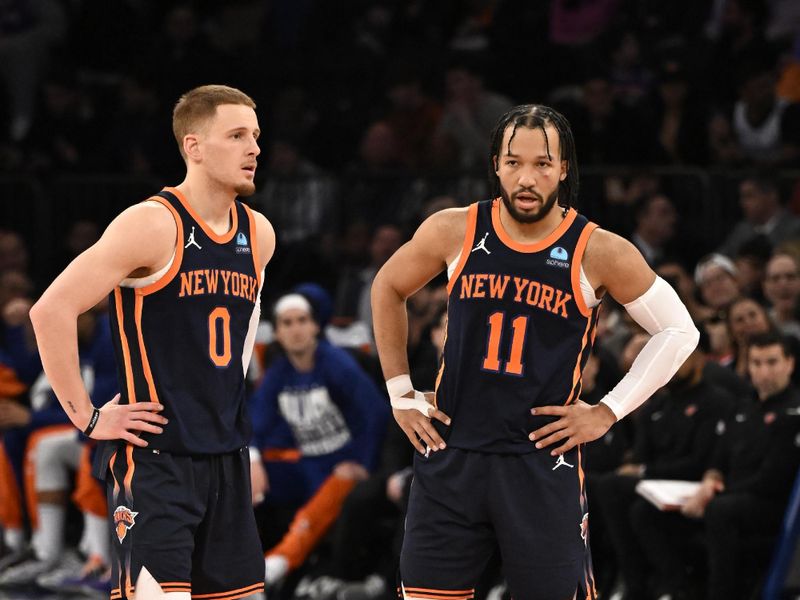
x: 219, y: 316
x: 513, y: 366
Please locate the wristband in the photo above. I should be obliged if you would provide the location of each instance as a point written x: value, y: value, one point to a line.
x: 92, y: 422
x: 399, y: 386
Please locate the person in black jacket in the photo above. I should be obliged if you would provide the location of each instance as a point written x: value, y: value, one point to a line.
x: 744, y: 492
x: 674, y: 439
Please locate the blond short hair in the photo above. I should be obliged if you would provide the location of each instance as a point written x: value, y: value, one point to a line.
x: 199, y: 105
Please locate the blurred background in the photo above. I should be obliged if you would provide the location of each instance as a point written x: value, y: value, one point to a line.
x: 374, y: 115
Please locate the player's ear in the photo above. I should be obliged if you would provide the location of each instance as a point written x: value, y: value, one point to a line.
x: 191, y: 146
x: 494, y: 161
x: 564, y: 170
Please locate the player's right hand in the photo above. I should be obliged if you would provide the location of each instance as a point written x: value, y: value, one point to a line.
x: 419, y: 429
x: 125, y: 421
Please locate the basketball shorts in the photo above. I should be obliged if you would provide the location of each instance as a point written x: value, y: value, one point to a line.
x: 187, y: 519
x: 532, y: 506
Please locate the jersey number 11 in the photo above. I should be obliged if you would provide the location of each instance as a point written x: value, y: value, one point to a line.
x: 513, y: 366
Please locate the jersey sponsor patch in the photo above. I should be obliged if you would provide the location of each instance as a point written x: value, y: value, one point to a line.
x: 558, y: 258
x: 242, y: 246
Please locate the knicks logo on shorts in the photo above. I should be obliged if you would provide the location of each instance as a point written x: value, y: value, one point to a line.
x: 585, y: 528
x: 124, y: 519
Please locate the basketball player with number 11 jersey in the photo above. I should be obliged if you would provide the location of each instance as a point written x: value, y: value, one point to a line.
x: 526, y: 276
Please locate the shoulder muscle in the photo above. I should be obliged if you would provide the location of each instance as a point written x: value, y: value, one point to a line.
x: 614, y: 265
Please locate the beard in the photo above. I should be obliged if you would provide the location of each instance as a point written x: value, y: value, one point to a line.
x: 245, y: 189
x: 533, y: 217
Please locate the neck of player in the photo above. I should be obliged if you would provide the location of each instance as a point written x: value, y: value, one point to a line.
x: 529, y: 233
x: 211, y: 201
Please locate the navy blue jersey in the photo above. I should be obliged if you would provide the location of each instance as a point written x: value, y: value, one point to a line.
x: 518, y: 331
x: 184, y: 339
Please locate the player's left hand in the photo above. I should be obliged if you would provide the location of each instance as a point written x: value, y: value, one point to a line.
x: 578, y: 423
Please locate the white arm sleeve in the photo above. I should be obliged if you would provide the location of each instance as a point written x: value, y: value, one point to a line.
x: 662, y: 314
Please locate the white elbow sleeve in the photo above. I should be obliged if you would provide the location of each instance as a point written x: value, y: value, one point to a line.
x: 662, y: 314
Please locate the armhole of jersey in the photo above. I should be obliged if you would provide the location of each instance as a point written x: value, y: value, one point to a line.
x: 575, y: 269
x: 254, y: 244
x: 469, y: 237
x: 177, y: 258
x: 252, y: 329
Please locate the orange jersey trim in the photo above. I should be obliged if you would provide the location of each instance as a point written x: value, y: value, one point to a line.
x: 576, y: 373
x: 440, y: 374
x: 148, y: 374
x: 131, y: 469
x: 437, y: 594
x: 220, y: 239
x: 469, y: 237
x: 176, y: 260
x: 111, y: 469
x: 428, y: 596
x: 126, y: 355
x: 575, y: 269
x: 549, y: 240
x: 440, y: 592
x: 232, y: 594
x: 254, y: 242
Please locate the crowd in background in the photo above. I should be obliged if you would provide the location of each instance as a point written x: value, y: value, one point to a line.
x: 375, y: 114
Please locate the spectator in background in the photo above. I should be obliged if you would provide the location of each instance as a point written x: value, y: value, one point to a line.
x: 721, y: 346
x: 767, y: 127
x: 745, y: 489
x: 603, y: 455
x: 717, y: 279
x: 319, y: 407
x: 17, y: 341
x: 680, y: 118
x: 139, y: 120
x: 53, y: 452
x: 630, y: 77
x: 751, y: 260
x: 412, y: 115
x: 28, y: 29
x: 353, y: 288
x: 470, y: 112
x: 656, y: 223
x: 736, y: 32
x: 578, y: 23
x: 674, y: 439
x: 746, y: 319
x: 181, y: 57
x: 14, y: 253
x: 763, y: 212
x: 782, y: 289
x: 607, y: 132
x: 675, y: 274
x: 377, y: 185
x: 64, y: 136
x: 297, y: 197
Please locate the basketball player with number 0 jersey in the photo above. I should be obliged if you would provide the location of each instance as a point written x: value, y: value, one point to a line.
x: 183, y: 271
x: 500, y: 441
